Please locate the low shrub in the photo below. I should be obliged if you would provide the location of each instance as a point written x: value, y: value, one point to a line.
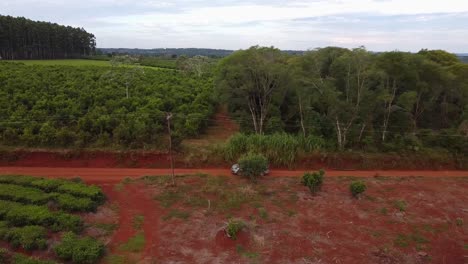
x: 22, y: 259
x: 71, y: 203
x: 4, y: 255
x: 253, y: 166
x: 233, y: 228
x: 23, y: 215
x: 79, y: 250
x: 3, y: 229
x: 357, y: 187
x: 28, y: 237
x: 313, y: 180
x: 79, y: 189
x: 23, y: 194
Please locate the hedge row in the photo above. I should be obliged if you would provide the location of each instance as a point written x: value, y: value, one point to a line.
x: 57, y: 185
x: 8, y: 257
x: 27, y: 237
x: 79, y: 250
x: 23, y: 215
x: 35, y: 196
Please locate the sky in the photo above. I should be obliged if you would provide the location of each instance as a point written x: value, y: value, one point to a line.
x: 379, y: 25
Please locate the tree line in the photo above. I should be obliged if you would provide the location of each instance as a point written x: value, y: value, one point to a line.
x: 21, y: 38
x: 352, y: 98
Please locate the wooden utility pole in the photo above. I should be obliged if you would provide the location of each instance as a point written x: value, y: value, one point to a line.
x: 168, y: 118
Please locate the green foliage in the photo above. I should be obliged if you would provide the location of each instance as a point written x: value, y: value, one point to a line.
x: 22, y: 215
x: 87, y: 106
x: 28, y: 237
x: 357, y: 187
x: 253, y: 166
x: 135, y: 243
x: 313, y: 180
x: 3, y: 255
x: 233, y: 228
x: 400, y: 205
x: 22, y: 259
x: 89, y: 196
x: 138, y: 221
x: 281, y: 149
x: 79, y: 250
x: 176, y: 214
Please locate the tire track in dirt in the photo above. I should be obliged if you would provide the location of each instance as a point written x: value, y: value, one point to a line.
x: 132, y: 201
x: 113, y: 175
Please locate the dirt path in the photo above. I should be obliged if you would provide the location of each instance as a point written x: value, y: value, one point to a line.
x: 118, y: 174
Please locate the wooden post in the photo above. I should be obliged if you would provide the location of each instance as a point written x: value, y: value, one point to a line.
x: 168, y: 118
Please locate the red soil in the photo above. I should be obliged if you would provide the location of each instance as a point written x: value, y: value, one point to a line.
x: 111, y: 175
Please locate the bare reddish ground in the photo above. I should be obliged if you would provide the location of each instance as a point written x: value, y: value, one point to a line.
x: 108, y: 175
x: 330, y: 227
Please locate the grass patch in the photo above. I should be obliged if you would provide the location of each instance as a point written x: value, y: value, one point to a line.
x: 400, y: 205
x: 169, y: 198
x: 65, y: 62
x: 116, y: 259
x: 138, y: 221
x: 459, y: 221
x: 176, y: 214
x: 107, y: 227
x: 134, y: 244
x: 402, y: 241
x: 383, y: 211
x: 243, y: 252
x: 263, y: 213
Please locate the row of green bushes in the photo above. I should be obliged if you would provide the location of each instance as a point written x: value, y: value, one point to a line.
x: 23, y: 215
x: 281, y: 148
x: 57, y: 185
x: 27, y: 237
x: 8, y: 257
x: 72, y: 248
x: 30, y: 195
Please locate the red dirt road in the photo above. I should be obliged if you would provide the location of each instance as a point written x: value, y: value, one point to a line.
x: 118, y: 174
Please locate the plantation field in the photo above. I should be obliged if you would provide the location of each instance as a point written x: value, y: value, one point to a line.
x: 43, y: 217
x: 75, y: 62
x: 276, y: 220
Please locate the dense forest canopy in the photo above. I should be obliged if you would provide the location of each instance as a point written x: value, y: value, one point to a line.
x: 87, y: 106
x: 352, y: 98
x: 21, y: 38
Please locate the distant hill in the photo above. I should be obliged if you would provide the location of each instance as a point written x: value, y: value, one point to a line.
x: 463, y: 57
x: 190, y: 52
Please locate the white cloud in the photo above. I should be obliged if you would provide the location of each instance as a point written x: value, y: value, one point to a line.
x: 234, y: 24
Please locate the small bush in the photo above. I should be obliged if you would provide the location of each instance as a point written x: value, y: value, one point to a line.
x: 28, y: 237
x: 79, y: 250
x: 313, y: 180
x: 233, y: 228
x: 253, y: 166
x: 357, y: 187
x: 3, y: 255
x: 22, y: 259
x: 400, y: 205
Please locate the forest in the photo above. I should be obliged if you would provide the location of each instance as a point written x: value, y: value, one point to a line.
x: 21, y: 38
x: 96, y: 106
x: 353, y: 99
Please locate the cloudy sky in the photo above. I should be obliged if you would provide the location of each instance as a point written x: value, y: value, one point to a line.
x: 380, y: 25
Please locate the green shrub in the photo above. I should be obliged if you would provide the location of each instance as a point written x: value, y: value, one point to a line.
x: 22, y: 259
x: 313, y: 180
x: 233, y: 228
x: 23, y: 215
x: 3, y: 229
x: 79, y: 250
x: 357, y: 187
x: 79, y: 189
x: 28, y: 237
x: 23, y: 194
x: 71, y: 203
x: 253, y: 166
x: 4, y: 255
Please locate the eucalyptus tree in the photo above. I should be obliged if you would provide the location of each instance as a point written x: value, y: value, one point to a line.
x: 254, y: 78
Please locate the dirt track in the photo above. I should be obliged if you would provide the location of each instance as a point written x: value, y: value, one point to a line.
x: 117, y: 174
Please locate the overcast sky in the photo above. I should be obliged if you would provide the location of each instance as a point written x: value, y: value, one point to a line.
x: 380, y: 25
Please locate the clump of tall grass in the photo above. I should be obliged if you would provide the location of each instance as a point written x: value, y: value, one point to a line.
x: 280, y: 148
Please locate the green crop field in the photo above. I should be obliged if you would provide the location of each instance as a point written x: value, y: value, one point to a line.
x: 65, y: 62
